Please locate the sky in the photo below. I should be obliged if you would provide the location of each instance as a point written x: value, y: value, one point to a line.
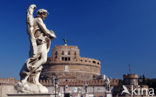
x: 116, y: 32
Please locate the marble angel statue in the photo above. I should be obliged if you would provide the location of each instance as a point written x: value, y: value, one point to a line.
x: 40, y: 40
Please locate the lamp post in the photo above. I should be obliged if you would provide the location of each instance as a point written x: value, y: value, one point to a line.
x: 65, y: 87
x: 86, y: 86
x: 140, y: 81
x: 55, y: 80
x: 93, y: 91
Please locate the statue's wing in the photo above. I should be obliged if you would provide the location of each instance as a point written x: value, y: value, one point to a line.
x: 30, y: 29
x: 30, y: 18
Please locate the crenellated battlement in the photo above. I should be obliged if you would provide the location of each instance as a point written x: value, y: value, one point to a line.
x: 8, y: 81
x: 62, y: 82
x: 74, y: 83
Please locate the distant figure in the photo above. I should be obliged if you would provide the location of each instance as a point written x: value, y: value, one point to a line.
x: 107, y: 84
x: 65, y: 42
x: 40, y: 40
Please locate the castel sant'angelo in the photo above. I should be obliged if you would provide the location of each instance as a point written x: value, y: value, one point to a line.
x: 66, y: 63
x: 75, y: 74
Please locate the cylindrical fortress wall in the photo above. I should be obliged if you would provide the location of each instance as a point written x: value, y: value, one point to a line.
x: 66, y: 62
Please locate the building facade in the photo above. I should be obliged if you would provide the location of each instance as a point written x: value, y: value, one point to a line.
x: 7, y: 86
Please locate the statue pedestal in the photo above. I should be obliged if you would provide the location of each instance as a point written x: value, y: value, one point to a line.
x: 30, y: 95
x: 108, y: 94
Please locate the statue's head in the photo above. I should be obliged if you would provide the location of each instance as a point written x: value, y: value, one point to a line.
x: 42, y: 13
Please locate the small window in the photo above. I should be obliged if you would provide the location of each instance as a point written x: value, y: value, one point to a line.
x: 56, y: 53
x: 68, y: 58
x: 65, y: 58
x: 75, y: 55
x: 62, y: 52
x: 68, y: 52
x: 94, y: 61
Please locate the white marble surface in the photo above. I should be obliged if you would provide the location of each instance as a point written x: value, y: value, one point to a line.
x: 40, y: 40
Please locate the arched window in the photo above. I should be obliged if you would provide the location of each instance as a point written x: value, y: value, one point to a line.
x: 62, y: 52
x: 56, y: 53
x: 75, y: 53
x: 68, y: 52
x: 94, y: 61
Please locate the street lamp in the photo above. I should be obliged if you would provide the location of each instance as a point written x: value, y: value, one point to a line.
x: 86, y: 86
x: 55, y: 80
x: 65, y: 86
x: 141, y: 81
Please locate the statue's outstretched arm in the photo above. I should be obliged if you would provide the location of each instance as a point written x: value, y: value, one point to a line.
x: 43, y: 27
x: 30, y: 29
x: 30, y: 18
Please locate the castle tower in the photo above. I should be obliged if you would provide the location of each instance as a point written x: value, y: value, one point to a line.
x: 66, y: 63
x: 130, y: 79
